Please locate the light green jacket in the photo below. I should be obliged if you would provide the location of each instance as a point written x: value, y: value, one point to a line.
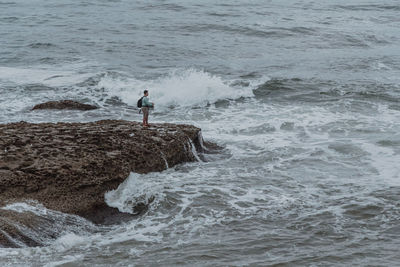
x: 146, y: 102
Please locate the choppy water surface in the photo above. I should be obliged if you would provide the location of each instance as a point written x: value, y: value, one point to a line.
x: 303, y: 96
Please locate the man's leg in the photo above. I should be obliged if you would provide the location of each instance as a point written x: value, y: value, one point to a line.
x: 146, y: 116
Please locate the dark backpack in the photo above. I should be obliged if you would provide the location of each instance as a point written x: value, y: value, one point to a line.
x: 139, y: 102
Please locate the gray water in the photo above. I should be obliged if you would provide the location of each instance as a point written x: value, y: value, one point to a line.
x: 302, y: 96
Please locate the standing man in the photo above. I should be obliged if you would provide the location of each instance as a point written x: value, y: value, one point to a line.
x: 146, y: 104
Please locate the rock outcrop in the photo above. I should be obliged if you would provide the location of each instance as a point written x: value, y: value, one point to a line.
x: 68, y: 167
x: 64, y: 104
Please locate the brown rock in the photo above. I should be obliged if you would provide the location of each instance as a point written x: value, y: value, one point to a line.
x: 68, y: 167
x: 12, y: 226
x: 64, y: 104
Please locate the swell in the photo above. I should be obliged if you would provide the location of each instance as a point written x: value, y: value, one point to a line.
x: 368, y: 7
x: 277, y: 32
x: 314, y: 91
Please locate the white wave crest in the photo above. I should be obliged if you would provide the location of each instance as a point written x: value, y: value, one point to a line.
x: 179, y: 88
x: 133, y: 190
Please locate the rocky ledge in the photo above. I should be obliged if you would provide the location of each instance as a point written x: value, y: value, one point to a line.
x: 64, y: 104
x: 68, y: 167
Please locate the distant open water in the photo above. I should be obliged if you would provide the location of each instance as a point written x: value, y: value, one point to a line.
x: 303, y: 96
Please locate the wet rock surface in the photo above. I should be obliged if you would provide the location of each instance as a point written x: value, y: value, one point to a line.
x: 12, y: 226
x: 68, y: 167
x: 64, y: 104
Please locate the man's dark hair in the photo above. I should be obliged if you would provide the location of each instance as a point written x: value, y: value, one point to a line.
x: 145, y: 92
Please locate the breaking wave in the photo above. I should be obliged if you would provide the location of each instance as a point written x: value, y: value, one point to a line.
x: 189, y: 87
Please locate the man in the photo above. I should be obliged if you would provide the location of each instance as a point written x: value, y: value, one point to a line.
x: 146, y: 104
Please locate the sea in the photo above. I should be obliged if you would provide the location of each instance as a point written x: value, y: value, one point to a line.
x: 302, y: 96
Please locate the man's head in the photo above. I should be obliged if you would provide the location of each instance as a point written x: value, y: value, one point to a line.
x: 146, y: 93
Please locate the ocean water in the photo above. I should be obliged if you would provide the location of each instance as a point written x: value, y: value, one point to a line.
x: 303, y: 96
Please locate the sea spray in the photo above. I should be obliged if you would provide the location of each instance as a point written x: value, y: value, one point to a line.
x: 134, y: 190
x: 188, y: 87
